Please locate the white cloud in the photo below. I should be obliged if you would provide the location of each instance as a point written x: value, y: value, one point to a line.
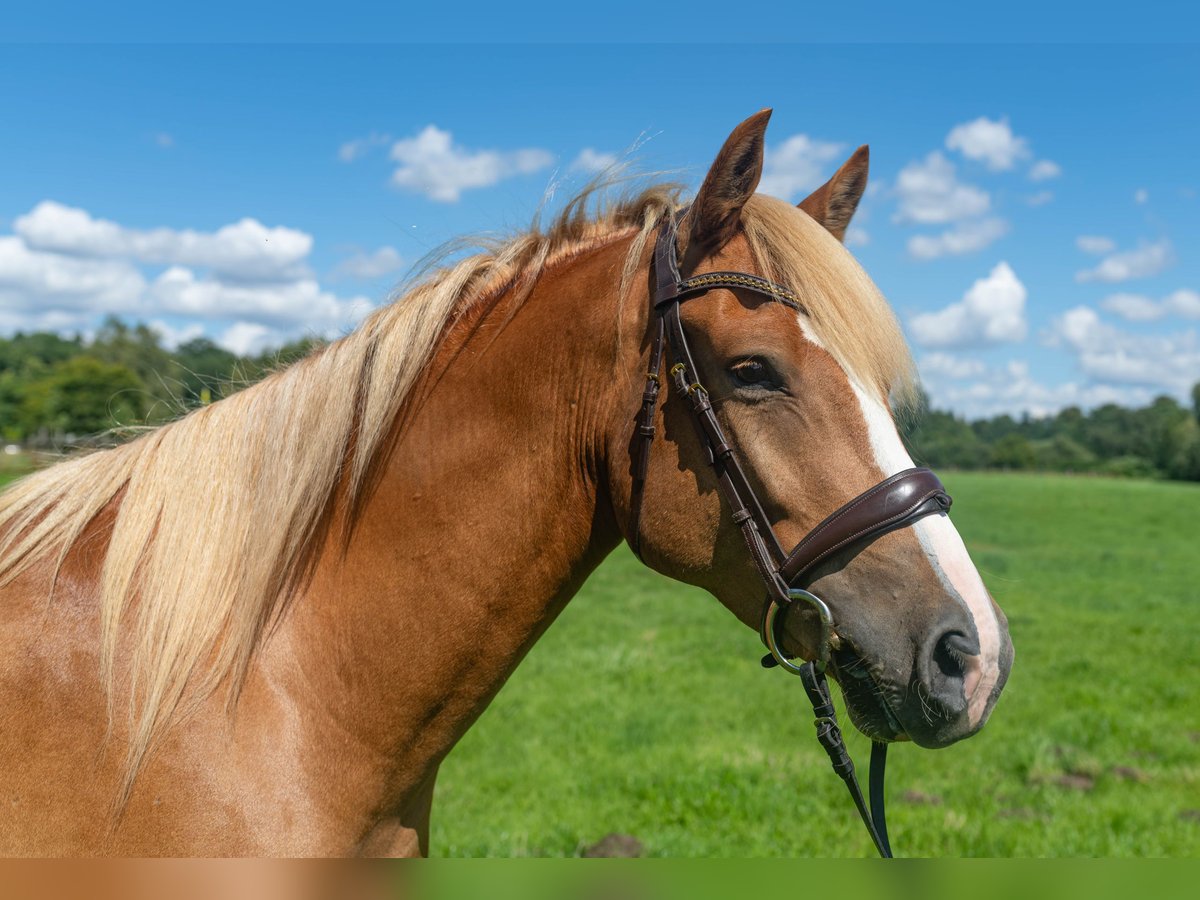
x: 1141, y: 195
x: 857, y: 237
x: 82, y: 268
x: 1012, y: 389
x: 798, y: 165
x: 930, y: 193
x: 172, y: 337
x: 245, y: 249
x: 35, y: 281
x: 592, y: 161
x: 177, y: 290
x: 384, y: 261
x: 965, y: 237
x: 164, y: 140
x: 1183, y: 303
x: 433, y: 165
x: 950, y: 366
x: 1041, y: 198
x: 991, y: 312
x: 250, y: 338
x: 1096, y: 245
x: 61, y: 321
x: 1111, y: 356
x: 989, y: 141
x: 1044, y: 170
x: 1145, y: 260
x: 359, y: 147
x: 1139, y: 308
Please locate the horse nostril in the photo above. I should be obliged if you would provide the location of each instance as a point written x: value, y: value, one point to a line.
x: 951, y: 652
x: 953, y: 671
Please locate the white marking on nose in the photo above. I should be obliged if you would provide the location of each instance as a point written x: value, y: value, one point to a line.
x: 949, y: 558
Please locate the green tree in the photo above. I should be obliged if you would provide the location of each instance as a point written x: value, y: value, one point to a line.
x: 1013, y: 451
x: 30, y: 354
x: 942, y: 439
x: 1184, y: 464
x: 82, y: 395
x: 139, y: 349
x: 1062, y: 454
x: 200, y: 365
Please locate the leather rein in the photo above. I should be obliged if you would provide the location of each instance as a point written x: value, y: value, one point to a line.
x: 894, y: 503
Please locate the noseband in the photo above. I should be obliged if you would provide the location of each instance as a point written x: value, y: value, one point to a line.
x: 894, y: 503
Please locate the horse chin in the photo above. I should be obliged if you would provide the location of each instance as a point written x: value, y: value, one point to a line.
x: 866, y: 700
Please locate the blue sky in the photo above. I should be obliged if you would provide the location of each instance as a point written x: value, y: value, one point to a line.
x: 1033, y: 215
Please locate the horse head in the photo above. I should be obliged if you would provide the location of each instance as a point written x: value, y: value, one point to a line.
x: 803, y: 391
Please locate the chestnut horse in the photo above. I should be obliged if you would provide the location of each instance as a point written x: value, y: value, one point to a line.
x: 260, y: 629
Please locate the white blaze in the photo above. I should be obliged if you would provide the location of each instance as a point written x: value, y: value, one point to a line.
x: 947, y: 555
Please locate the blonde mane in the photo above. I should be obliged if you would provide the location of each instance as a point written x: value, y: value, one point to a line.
x: 218, y: 515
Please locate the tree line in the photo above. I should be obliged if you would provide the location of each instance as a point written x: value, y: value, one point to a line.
x: 1161, y: 440
x: 56, y: 390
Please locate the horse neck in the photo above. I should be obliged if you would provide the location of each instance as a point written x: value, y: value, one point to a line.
x: 489, y: 513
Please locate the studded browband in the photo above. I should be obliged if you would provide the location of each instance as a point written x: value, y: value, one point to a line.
x: 894, y: 503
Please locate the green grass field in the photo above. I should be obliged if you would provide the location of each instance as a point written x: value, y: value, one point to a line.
x: 644, y: 710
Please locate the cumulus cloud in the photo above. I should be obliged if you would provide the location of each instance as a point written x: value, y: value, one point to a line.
x: 178, y: 290
x: 991, y: 312
x: 1011, y: 388
x: 36, y: 281
x: 1109, y: 355
x: 965, y: 237
x: 950, y: 366
x: 989, y: 141
x: 1143, y: 261
x: 246, y: 249
x: 63, y: 269
x: 172, y: 336
x: 592, y: 162
x: 1041, y: 198
x: 1140, y: 308
x: 1094, y: 244
x: 1044, y: 170
x: 798, y: 165
x: 360, y: 147
x: 433, y: 165
x: 377, y: 264
x: 250, y: 338
x: 857, y: 237
x: 930, y: 193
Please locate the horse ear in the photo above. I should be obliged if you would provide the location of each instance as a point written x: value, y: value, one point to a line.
x: 833, y: 203
x: 730, y: 182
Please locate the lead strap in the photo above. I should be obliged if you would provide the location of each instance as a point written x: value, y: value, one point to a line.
x: 829, y: 735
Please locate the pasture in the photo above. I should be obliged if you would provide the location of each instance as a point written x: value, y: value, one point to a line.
x: 644, y: 710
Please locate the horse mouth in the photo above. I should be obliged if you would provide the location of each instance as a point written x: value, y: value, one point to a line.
x: 866, y: 699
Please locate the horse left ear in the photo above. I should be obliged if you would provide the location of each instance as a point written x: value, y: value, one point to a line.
x: 730, y: 182
x: 833, y: 203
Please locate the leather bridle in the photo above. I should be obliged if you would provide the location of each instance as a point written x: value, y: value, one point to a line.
x: 894, y: 503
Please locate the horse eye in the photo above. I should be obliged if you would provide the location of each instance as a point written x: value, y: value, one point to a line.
x: 752, y: 373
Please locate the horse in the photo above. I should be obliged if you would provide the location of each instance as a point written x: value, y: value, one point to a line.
x: 259, y: 629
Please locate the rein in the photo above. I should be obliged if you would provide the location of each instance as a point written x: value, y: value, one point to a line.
x: 896, y: 502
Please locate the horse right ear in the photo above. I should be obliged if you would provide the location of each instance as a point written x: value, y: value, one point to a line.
x: 833, y: 203
x: 731, y: 181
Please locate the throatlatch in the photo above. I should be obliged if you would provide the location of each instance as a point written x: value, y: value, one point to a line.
x: 896, y: 502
